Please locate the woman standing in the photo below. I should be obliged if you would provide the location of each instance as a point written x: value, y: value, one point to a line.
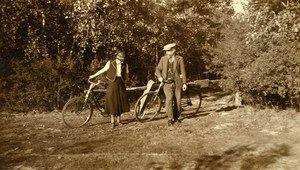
x: 116, y: 101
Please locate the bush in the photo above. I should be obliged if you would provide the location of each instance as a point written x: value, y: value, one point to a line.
x: 262, y: 60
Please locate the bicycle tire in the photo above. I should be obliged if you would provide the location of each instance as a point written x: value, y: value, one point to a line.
x: 148, y: 106
x: 73, y: 113
x: 191, y: 100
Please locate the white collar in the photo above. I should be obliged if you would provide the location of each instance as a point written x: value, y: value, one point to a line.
x: 171, y: 59
x: 119, y: 61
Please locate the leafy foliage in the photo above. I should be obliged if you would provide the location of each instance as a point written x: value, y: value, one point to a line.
x: 49, y: 48
x: 54, y: 45
x: 37, y: 56
x: 265, y: 59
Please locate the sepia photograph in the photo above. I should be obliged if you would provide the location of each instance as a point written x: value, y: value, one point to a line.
x: 149, y: 84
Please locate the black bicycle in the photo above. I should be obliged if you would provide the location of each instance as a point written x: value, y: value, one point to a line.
x: 150, y: 104
x: 79, y: 110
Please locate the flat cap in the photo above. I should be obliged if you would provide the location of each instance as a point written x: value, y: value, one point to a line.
x: 169, y: 46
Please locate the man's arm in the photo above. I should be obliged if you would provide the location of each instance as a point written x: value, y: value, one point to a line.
x: 158, y: 70
x: 182, y: 70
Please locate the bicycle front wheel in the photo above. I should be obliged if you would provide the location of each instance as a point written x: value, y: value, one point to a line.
x: 191, y: 101
x: 76, y: 112
x: 147, y: 106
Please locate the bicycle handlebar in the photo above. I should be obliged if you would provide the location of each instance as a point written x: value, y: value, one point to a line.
x: 93, y: 83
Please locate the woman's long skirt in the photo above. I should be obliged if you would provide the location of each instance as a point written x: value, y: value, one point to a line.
x: 116, y: 98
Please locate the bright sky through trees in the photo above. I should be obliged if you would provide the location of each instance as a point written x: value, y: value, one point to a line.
x: 239, y: 5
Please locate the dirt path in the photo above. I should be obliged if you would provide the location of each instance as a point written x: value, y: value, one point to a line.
x: 218, y: 137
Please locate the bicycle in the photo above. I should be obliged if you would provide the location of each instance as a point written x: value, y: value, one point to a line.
x: 150, y: 104
x: 79, y: 110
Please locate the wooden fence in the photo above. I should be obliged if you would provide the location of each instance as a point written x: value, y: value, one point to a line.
x: 201, y: 83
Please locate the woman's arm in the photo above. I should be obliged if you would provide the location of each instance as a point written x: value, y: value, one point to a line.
x: 104, y: 69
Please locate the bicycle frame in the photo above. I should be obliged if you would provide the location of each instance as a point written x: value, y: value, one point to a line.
x: 187, y: 93
x: 87, y: 95
x: 157, y: 91
x: 90, y: 95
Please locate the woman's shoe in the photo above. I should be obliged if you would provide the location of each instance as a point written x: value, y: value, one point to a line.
x: 170, y: 122
x: 177, y: 120
x: 113, y: 125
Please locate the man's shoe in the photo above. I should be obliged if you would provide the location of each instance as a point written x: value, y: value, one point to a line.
x: 176, y: 121
x: 180, y: 118
x: 120, y: 124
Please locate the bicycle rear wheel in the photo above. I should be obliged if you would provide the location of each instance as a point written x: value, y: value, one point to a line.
x: 191, y: 100
x: 147, y: 106
x: 76, y: 112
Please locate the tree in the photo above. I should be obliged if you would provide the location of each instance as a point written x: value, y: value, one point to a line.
x: 35, y: 54
x: 265, y: 62
x: 54, y: 45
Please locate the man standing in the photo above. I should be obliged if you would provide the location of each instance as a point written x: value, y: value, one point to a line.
x: 171, y: 70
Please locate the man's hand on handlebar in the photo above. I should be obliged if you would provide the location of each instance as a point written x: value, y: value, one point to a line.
x: 184, y: 87
x: 160, y: 79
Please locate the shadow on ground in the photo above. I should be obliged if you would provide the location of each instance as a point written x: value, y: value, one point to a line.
x: 239, y: 157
